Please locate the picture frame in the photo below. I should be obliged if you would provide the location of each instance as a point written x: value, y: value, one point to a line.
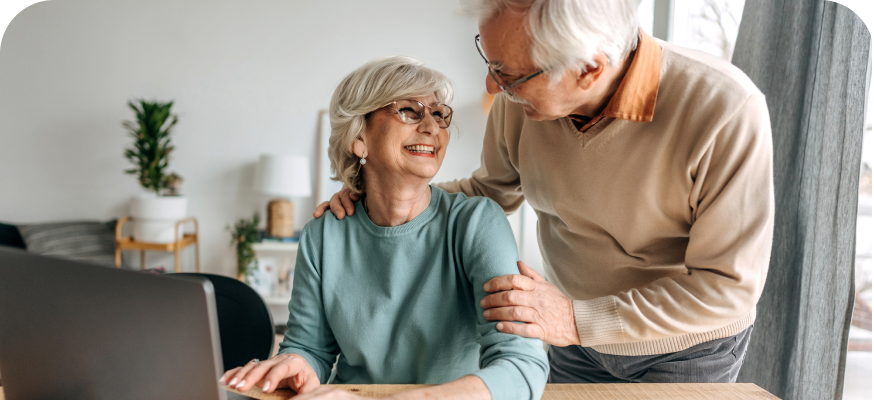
x: 327, y: 186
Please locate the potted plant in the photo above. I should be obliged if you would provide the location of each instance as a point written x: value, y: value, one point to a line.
x: 156, y: 211
x: 243, y: 235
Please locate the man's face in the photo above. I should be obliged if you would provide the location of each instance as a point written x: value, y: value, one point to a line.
x: 506, y: 45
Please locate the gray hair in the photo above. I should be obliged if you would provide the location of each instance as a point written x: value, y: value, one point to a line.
x: 369, y: 87
x: 567, y: 34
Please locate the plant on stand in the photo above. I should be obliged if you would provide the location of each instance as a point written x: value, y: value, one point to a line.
x: 156, y: 211
x: 243, y: 235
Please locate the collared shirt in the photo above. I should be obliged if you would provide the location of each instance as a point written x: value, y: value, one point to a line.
x: 635, y: 99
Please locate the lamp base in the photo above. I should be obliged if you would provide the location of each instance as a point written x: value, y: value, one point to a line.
x: 280, y: 218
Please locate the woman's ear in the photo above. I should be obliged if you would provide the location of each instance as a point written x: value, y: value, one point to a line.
x: 359, y: 147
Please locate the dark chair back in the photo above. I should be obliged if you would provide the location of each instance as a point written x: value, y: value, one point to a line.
x: 245, y: 324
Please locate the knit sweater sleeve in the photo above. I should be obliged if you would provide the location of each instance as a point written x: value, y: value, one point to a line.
x: 732, y: 203
x: 512, y: 367
x: 497, y: 177
x: 309, y: 334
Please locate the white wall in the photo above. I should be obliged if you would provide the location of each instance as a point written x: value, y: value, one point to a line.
x: 248, y: 77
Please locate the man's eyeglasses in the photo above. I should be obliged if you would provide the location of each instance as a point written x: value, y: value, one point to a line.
x: 503, y: 84
x: 413, y: 112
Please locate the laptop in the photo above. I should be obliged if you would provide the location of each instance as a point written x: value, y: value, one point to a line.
x: 72, y: 330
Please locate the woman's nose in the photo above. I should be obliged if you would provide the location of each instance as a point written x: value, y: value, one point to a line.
x: 428, y: 124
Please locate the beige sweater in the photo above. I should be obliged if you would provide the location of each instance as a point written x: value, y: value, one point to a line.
x: 660, y: 231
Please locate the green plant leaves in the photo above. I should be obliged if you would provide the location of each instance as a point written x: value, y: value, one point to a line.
x: 151, y: 148
x: 244, y: 234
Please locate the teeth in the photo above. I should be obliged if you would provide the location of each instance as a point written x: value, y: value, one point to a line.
x: 420, y: 149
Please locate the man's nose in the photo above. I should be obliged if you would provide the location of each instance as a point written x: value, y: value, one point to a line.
x: 492, y: 86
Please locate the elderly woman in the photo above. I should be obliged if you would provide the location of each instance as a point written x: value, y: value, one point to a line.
x: 395, y: 288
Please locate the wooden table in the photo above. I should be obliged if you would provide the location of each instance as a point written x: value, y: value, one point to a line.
x: 128, y: 243
x: 627, y: 391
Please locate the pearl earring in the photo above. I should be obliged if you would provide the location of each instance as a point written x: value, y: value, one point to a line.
x: 363, y: 161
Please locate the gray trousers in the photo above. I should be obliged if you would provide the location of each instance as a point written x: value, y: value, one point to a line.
x: 714, y: 361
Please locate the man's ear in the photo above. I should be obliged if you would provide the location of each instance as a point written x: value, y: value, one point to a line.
x: 359, y: 147
x: 590, y: 73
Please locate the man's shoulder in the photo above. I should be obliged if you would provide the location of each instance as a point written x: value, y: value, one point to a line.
x: 694, y: 72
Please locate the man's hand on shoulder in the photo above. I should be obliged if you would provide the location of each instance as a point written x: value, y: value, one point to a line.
x: 545, y: 312
x: 341, y: 204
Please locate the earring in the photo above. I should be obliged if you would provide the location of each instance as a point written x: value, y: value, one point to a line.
x: 363, y: 161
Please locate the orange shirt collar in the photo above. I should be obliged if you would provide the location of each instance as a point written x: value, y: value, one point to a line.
x: 635, y: 99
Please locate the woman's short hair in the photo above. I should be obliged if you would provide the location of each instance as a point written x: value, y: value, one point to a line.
x: 567, y: 34
x: 369, y: 87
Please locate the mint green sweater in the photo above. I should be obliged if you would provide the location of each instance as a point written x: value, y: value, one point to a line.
x: 400, y: 305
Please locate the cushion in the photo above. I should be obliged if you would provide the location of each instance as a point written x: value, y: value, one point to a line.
x: 9, y: 236
x: 88, y: 241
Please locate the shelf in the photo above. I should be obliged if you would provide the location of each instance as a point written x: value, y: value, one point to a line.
x: 127, y: 243
x: 275, y: 246
x: 277, y: 300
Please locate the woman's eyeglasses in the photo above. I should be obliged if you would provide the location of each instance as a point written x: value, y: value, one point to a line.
x: 413, y: 112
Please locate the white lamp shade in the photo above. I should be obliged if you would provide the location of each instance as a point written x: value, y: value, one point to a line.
x: 285, y: 176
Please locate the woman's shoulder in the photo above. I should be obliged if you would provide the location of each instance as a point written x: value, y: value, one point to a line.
x: 473, y: 208
x: 317, y: 228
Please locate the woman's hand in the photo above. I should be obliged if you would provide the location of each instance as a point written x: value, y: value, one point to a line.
x: 341, y: 204
x: 282, y: 371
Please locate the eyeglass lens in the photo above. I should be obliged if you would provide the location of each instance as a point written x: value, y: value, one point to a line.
x: 412, y: 112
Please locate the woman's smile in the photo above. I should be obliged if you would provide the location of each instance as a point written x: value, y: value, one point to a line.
x: 420, y: 150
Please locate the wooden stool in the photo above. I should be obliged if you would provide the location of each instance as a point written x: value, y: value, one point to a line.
x: 128, y: 243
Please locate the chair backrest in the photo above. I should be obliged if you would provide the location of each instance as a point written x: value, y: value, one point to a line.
x: 245, y: 324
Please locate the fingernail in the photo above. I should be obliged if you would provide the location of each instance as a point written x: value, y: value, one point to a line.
x: 243, y: 382
x: 222, y: 379
x: 266, y: 386
x: 233, y: 381
x: 500, y: 326
x: 486, y: 313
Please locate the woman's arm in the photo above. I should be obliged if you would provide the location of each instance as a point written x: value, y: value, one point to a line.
x: 512, y: 367
x: 309, y: 348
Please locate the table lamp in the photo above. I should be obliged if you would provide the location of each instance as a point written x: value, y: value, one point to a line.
x: 282, y: 177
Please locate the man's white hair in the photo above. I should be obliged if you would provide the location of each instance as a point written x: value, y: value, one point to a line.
x: 567, y: 34
x: 369, y: 87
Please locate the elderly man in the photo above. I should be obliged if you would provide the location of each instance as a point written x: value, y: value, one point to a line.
x: 649, y: 167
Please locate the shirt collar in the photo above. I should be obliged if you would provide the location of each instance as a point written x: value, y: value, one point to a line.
x: 635, y: 99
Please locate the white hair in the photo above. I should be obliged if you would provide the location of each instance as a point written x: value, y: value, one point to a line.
x: 366, y: 89
x: 567, y: 34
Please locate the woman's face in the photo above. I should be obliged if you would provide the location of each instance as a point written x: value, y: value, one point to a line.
x: 401, y: 151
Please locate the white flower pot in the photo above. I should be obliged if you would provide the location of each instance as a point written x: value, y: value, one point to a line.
x: 155, y: 217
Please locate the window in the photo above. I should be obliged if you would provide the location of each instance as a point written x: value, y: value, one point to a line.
x: 707, y: 25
